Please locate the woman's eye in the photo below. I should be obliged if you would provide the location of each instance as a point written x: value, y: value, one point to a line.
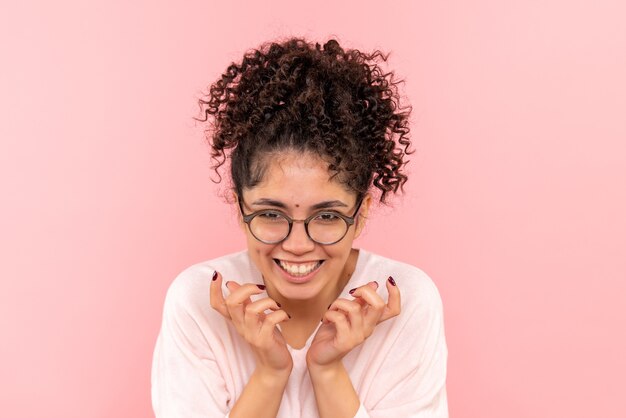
x: 327, y: 217
x: 270, y: 216
x: 267, y: 215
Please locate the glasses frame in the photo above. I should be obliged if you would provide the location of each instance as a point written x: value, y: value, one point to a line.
x: 348, y: 219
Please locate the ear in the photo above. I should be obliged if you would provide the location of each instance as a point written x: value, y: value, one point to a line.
x: 240, y: 221
x: 362, y: 216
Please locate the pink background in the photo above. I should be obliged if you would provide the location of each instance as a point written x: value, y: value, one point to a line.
x: 515, y: 206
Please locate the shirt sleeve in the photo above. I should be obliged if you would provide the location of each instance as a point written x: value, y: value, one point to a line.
x: 416, y: 387
x: 186, y: 382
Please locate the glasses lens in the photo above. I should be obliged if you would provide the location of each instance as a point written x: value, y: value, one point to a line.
x: 269, y: 226
x: 327, y: 228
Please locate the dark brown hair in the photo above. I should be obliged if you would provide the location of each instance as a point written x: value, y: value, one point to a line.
x: 295, y: 95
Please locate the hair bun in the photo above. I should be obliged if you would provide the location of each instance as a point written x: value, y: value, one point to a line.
x: 311, y: 98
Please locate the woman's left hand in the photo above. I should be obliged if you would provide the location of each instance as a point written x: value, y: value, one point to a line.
x: 347, y: 323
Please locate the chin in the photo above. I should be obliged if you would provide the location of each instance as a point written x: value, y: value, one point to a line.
x: 297, y: 294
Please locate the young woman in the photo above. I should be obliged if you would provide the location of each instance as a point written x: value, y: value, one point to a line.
x: 301, y: 324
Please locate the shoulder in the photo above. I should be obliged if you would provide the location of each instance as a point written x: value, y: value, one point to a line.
x: 418, y: 332
x: 417, y: 289
x: 189, y: 290
x: 235, y: 266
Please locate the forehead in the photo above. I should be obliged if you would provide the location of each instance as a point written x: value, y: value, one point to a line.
x: 299, y: 179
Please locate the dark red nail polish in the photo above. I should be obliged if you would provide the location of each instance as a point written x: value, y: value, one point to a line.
x: 352, y: 291
x: 215, y: 275
x: 391, y: 280
x: 278, y: 304
x: 261, y: 286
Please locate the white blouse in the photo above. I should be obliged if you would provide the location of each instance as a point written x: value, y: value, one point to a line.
x: 201, y: 364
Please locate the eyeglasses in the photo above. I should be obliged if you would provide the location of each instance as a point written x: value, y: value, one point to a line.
x: 271, y: 226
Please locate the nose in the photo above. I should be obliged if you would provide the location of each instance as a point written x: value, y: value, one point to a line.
x: 298, y: 242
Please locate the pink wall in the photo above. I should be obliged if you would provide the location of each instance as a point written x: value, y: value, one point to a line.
x: 515, y: 206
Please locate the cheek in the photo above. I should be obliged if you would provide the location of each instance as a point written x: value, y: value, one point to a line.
x: 340, y: 250
x: 259, y: 250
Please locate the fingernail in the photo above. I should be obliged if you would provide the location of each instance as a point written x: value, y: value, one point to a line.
x: 261, y: 286
x: 352, y: 291
x: 227, y: 283
x: 279, y: 305
x: 391, y: 280
x: 376, y: 284
x: 214, y: 275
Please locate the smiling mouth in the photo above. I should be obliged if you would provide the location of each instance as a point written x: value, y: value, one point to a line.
x: 297, y: 270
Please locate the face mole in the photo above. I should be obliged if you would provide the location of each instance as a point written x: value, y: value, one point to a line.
x: 297, y: 205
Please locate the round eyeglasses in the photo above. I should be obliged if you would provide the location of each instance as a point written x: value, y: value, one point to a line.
x: 271, y: 226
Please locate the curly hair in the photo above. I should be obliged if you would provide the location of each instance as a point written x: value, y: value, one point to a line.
x: 295, y: 95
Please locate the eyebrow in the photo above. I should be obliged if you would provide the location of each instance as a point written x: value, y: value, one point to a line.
x: 322, y: 205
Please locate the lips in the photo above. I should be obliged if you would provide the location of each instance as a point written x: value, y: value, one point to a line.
x: 298, y: 269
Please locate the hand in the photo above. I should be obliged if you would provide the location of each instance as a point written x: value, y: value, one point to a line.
x: 347, y: 323
x: 253, y: 324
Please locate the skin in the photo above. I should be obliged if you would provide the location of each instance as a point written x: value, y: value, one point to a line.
x: 300, y: 181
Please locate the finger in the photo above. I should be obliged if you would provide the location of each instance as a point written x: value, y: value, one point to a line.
x: 361, y: 301
x: 340, y: 321
x: 217, y: 296
x: 269, y: 324
x: 239, y: 298
x: 254, y: 313
x: 357, y: 293
x: 354, y: 311
x: 240, y: 293
x: 393, y: 303
x: 375, y: 304
x: 259, y: 306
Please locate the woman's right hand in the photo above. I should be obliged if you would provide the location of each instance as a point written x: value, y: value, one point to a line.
x: 253, y: 324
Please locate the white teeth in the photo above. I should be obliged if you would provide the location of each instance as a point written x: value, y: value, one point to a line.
x: 298, y: 269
